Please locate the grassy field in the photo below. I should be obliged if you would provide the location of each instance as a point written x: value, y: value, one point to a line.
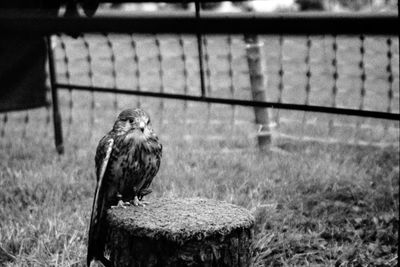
x: 315, y: 204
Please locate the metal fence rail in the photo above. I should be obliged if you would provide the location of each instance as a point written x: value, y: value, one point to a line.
x: 18, y: 22
x: 240, y: 102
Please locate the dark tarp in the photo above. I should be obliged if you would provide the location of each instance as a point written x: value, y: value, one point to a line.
x: 22, y: 61
x: 22, y: 73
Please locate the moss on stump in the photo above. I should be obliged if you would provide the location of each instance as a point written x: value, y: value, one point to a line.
x: 180, y: 232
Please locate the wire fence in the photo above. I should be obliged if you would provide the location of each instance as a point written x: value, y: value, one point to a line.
x: 322, y: 70
x: 353, y: 74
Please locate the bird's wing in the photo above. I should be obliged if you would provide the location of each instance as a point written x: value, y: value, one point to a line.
x: 102, y: 157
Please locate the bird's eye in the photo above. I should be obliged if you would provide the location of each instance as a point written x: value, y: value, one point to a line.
x: 130, y: 120
x: 148, y: 121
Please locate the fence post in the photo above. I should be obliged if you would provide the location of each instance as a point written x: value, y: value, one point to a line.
x: 255, y: 61
x: 56, y: 111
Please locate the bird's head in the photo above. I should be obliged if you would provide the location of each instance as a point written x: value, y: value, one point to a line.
x: 133, y: 121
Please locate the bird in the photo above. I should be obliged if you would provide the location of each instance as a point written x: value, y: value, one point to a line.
x: 127, y: 159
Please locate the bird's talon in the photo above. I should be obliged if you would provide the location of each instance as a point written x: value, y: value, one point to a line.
x: 136, y: 202
x: 122, y: 204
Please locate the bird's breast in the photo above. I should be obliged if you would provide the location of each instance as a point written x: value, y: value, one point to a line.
x: 132, y: 162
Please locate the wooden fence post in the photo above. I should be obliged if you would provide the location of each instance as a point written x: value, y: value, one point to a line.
x: 255, y: 61
x: 180, y: 232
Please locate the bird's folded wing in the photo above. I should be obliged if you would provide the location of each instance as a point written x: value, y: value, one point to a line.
x: 102, y: 157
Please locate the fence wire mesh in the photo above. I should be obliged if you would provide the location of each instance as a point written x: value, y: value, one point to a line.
x: 337, y: 71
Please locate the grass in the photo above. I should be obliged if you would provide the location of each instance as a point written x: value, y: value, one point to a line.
x: 314, y: 204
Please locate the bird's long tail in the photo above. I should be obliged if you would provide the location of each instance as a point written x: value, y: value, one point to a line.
x: 97, y: 230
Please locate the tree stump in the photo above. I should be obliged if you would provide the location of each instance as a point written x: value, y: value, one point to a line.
x: 180, y: 232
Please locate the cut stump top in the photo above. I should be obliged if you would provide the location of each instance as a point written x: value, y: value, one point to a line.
x: 180, y: 220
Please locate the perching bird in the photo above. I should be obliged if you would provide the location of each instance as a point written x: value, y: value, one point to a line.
x: 127, y: 159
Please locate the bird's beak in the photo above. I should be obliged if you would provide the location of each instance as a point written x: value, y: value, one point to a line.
x: 142, y: 125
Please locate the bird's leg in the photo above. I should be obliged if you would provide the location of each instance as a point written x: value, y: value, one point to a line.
x: 144, y: 192
x: 121, y: 203
x: 137, y: 198
x: 136, y: 202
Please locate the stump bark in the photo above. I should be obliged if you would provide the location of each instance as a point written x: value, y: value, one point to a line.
x: 180, y: 232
